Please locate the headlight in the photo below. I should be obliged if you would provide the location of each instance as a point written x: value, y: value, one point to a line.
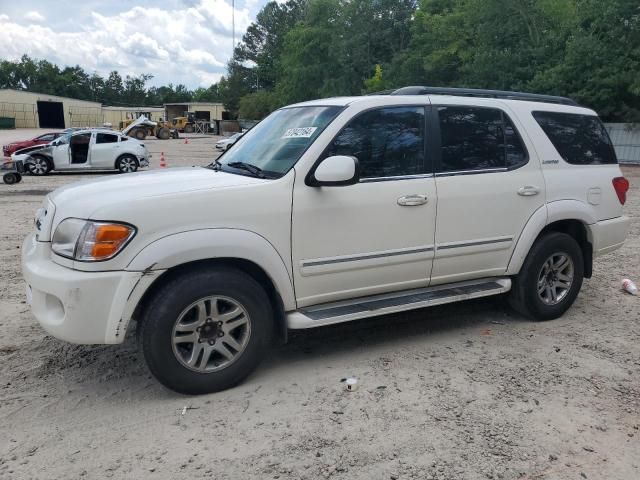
x: 90, y: 241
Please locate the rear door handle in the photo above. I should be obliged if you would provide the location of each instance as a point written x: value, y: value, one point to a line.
x: 528, y: 191
x: 412, y: 200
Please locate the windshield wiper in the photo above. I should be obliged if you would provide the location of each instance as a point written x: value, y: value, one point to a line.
x: 256, y: 171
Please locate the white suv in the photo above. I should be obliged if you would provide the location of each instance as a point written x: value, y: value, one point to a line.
x: 330, y: 211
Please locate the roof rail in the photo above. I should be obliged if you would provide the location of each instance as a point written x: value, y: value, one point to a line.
x: 476, y: 92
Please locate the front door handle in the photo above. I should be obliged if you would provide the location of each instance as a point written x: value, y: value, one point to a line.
x: 528, y: 191
x: 412, y: 200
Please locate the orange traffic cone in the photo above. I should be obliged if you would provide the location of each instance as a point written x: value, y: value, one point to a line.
x: 186, y: 141
x: 163, y: 163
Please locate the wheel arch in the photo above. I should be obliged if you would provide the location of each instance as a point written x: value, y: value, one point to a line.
x: 569, y: 217
x: 247, y: 251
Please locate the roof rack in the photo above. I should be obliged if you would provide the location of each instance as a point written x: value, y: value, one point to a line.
x: 476, y: 92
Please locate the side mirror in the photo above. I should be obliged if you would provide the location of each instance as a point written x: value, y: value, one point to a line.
x: 336, y: 171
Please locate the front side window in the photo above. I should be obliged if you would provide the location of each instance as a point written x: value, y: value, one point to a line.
x: 275, y: 144
x: 48, y: 137
x: 579, y: 139
x: 106, y: 138
x: 474, y: 138
x: 388, y: 142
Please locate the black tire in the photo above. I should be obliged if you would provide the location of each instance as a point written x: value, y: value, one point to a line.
x: 163, y: 133
x: 525, y: 297
x: 140, y: 134
x: 163, y: 311
x: 39, y: 165
x: 11, y: 178
x: 127, y: 164
x: 188, y: 128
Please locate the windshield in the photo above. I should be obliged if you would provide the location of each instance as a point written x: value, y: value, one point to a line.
x: 277, y: 143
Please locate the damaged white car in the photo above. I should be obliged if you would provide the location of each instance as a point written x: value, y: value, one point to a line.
x: 93, y: 149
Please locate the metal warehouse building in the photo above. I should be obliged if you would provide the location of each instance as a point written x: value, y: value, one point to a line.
x: 206, y: 111
x: 40, y: 110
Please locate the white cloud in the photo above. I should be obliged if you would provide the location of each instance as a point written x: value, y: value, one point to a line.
x: 34, y: 16
x: 185, y: 45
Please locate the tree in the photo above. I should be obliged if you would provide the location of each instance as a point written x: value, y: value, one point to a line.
x: 256, y: 106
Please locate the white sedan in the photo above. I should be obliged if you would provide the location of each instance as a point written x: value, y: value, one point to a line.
x: 92, y: 149
x: 226, y: 143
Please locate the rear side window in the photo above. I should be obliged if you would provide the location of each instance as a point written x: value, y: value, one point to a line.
x: 579, y: 139
x: 474, y: 138
x: 106, y: 138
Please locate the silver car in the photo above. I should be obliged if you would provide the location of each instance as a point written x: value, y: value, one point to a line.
x: 91, y: 149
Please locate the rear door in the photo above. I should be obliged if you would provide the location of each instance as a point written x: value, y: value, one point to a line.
x: 489, y: 183
x: 104, y: 150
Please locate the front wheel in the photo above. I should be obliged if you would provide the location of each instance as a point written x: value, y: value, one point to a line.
x: 38, y: 166
x: 550, y: 278
x: 205, y: 330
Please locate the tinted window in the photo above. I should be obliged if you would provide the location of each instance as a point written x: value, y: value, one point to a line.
x: 477, y: 139
x: 106, y: 138
x: 579, y: 139
x: 387, y: 142
x: 47, y: 137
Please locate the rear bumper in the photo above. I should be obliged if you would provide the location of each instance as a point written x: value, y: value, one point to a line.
x: 609, y: 235
x: 76, y: 306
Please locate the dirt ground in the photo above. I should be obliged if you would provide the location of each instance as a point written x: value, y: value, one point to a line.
x: 466, y: 391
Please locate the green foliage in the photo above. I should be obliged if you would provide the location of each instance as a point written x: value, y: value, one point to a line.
x: 256, y: 106
x: 305, y: 49
x: 375, y: 83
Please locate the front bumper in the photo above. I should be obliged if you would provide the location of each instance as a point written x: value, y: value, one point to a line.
x: 609, y: 235
x: 77, y: 306
x: 143, y: 161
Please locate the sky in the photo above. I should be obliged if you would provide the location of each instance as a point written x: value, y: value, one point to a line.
x: 176, y: 41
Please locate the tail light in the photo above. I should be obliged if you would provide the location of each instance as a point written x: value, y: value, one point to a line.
x: 621, y: 186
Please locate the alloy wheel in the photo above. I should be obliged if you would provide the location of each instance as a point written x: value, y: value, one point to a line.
x: 210, y: 334
x: 555, y: 278
x: 38, y: 166
x: 127, y: 165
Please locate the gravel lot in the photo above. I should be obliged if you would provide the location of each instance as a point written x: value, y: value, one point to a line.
x: 467, y: 391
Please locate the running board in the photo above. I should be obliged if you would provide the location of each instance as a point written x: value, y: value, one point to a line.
x: 363, y: 307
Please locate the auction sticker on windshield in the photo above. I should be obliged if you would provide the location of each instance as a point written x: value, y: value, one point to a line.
x: 300, y: 132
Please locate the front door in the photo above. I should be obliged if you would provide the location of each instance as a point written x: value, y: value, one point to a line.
x: 376, y: 236
x: 489, y: 184
x: 77, y: 152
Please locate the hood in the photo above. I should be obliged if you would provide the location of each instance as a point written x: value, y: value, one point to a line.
x: 44, y: 148
x: 83, y: 198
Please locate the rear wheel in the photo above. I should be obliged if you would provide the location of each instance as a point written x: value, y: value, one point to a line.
x: 205, y: 330
x: 550, y: 278
x: 127, y: 164
x: 39, y: 165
